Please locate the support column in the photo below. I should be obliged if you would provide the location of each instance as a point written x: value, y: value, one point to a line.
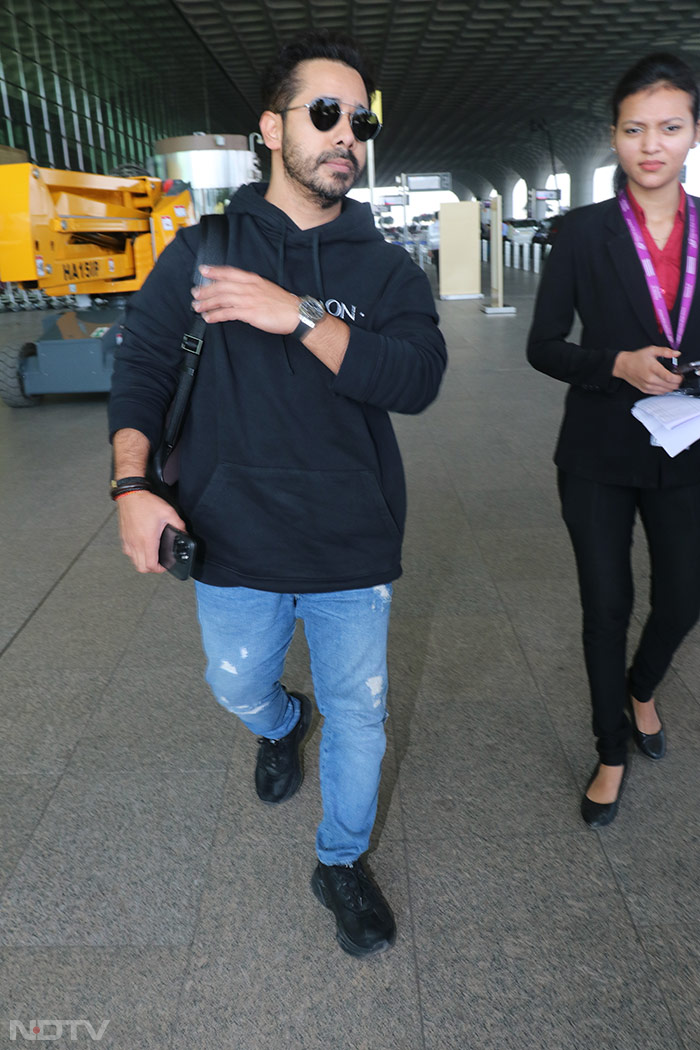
x: 464, y: 192
x: 582, y: 166
x: 582, y: 170
x: 536, y: 175
x: 504, y: 183
x: 480, y: 187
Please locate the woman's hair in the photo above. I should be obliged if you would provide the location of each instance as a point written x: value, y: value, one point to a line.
x: 659, y: 68
x: 281, y: 79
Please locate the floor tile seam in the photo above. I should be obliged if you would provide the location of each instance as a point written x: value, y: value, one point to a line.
x: 54, y: 585
x: 108, y: 678
x: 681, y: 679
x: 11, y: 874
x: 186, y: 946
x: 38, y: 950
x: 116, y: 666
x: 187, y: 968
x: 162, y: 665
x: 409, y: 898
x: 638, y: 929
x: 446, y: 462
x: 99, y: 701
x: 101, y: 665
x: 207, y: 880
x: 462, y: 494
x: 161, y: 769
x: 537, y: 688
x: 569, y: 834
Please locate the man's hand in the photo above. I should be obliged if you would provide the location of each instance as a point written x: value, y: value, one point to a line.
x: 142, y: 518
x: 238, y: 295
x: 643, y: 370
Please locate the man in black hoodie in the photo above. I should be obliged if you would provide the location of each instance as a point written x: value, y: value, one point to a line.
x: 290, y: 476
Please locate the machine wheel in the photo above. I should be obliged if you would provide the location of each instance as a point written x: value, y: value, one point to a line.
x: 11, y: 389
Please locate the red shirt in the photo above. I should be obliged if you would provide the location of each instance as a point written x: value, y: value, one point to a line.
x: 666, y: 260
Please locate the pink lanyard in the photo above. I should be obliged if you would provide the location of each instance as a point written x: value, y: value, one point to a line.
x: 652, y: 280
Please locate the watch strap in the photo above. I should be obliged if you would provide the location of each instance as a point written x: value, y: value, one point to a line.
x: 303, y: 329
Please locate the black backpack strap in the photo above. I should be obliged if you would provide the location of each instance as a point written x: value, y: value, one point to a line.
x: 213, y: 249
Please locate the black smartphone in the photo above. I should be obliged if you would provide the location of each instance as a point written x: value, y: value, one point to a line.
x: 690, y: 366
x: 176, y: 552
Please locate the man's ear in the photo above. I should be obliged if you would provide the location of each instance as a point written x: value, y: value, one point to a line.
x: 271, y: 129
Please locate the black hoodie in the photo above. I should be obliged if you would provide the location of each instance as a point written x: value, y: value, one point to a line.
x: 290, y: 477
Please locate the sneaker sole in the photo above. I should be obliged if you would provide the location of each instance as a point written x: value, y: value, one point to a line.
x: 305, y: 719
x: 345, y: 943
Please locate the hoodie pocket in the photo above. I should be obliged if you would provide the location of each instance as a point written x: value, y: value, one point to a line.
x: 279, y: 524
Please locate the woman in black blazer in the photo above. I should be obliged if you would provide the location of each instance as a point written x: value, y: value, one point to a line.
x: 608, y: 468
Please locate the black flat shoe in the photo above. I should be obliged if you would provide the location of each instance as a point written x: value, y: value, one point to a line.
x: 653, y: 745
x: 599, y: 814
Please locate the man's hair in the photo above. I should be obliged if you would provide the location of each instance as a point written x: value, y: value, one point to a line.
x: 281, y: 79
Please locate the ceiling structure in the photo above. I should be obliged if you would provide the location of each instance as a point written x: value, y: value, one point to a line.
x: 484, y: 89
x: 480, y: 88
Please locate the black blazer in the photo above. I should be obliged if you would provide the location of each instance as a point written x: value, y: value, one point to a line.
x: 593, y: 270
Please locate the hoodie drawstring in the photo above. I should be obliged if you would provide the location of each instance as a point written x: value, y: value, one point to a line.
x: 280, y: 257
x: 318, y: 276
x: 280, y: 281
x: 316, y: 256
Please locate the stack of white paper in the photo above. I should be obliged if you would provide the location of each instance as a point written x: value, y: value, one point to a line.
x: 673, y: 420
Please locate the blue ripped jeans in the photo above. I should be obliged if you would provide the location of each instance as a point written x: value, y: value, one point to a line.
x: 246, y: 635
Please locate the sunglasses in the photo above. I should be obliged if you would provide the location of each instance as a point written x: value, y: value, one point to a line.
x: 326, y: 112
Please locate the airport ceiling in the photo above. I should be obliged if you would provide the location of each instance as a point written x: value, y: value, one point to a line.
x: 475, y: 87
x: 479, y: 88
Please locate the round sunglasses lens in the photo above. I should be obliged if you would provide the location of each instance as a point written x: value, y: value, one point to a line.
x: 324, y: 114
x: 365, y: 124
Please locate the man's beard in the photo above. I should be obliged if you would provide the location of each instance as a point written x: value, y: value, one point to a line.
x: 305, y: 172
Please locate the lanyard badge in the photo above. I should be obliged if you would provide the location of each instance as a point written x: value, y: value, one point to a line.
x: 652, y: 280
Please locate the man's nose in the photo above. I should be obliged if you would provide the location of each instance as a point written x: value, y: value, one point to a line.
x: 343, y: 131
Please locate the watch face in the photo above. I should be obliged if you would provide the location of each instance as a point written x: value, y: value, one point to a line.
x: 311, y: 309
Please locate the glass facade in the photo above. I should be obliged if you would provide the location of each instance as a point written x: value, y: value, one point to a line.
x: 88, y: 85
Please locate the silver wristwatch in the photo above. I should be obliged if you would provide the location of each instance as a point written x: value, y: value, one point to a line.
x: 311, y: 311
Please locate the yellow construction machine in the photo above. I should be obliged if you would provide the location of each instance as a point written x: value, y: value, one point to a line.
x: 91, y: 238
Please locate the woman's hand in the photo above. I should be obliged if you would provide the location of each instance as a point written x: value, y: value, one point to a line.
x: 643, y: 370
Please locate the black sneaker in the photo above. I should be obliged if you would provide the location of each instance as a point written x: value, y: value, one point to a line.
x: 278, y: 772
x: 364, y: 923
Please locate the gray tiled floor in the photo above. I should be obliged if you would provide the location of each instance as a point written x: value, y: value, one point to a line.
x: 141, y: 881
